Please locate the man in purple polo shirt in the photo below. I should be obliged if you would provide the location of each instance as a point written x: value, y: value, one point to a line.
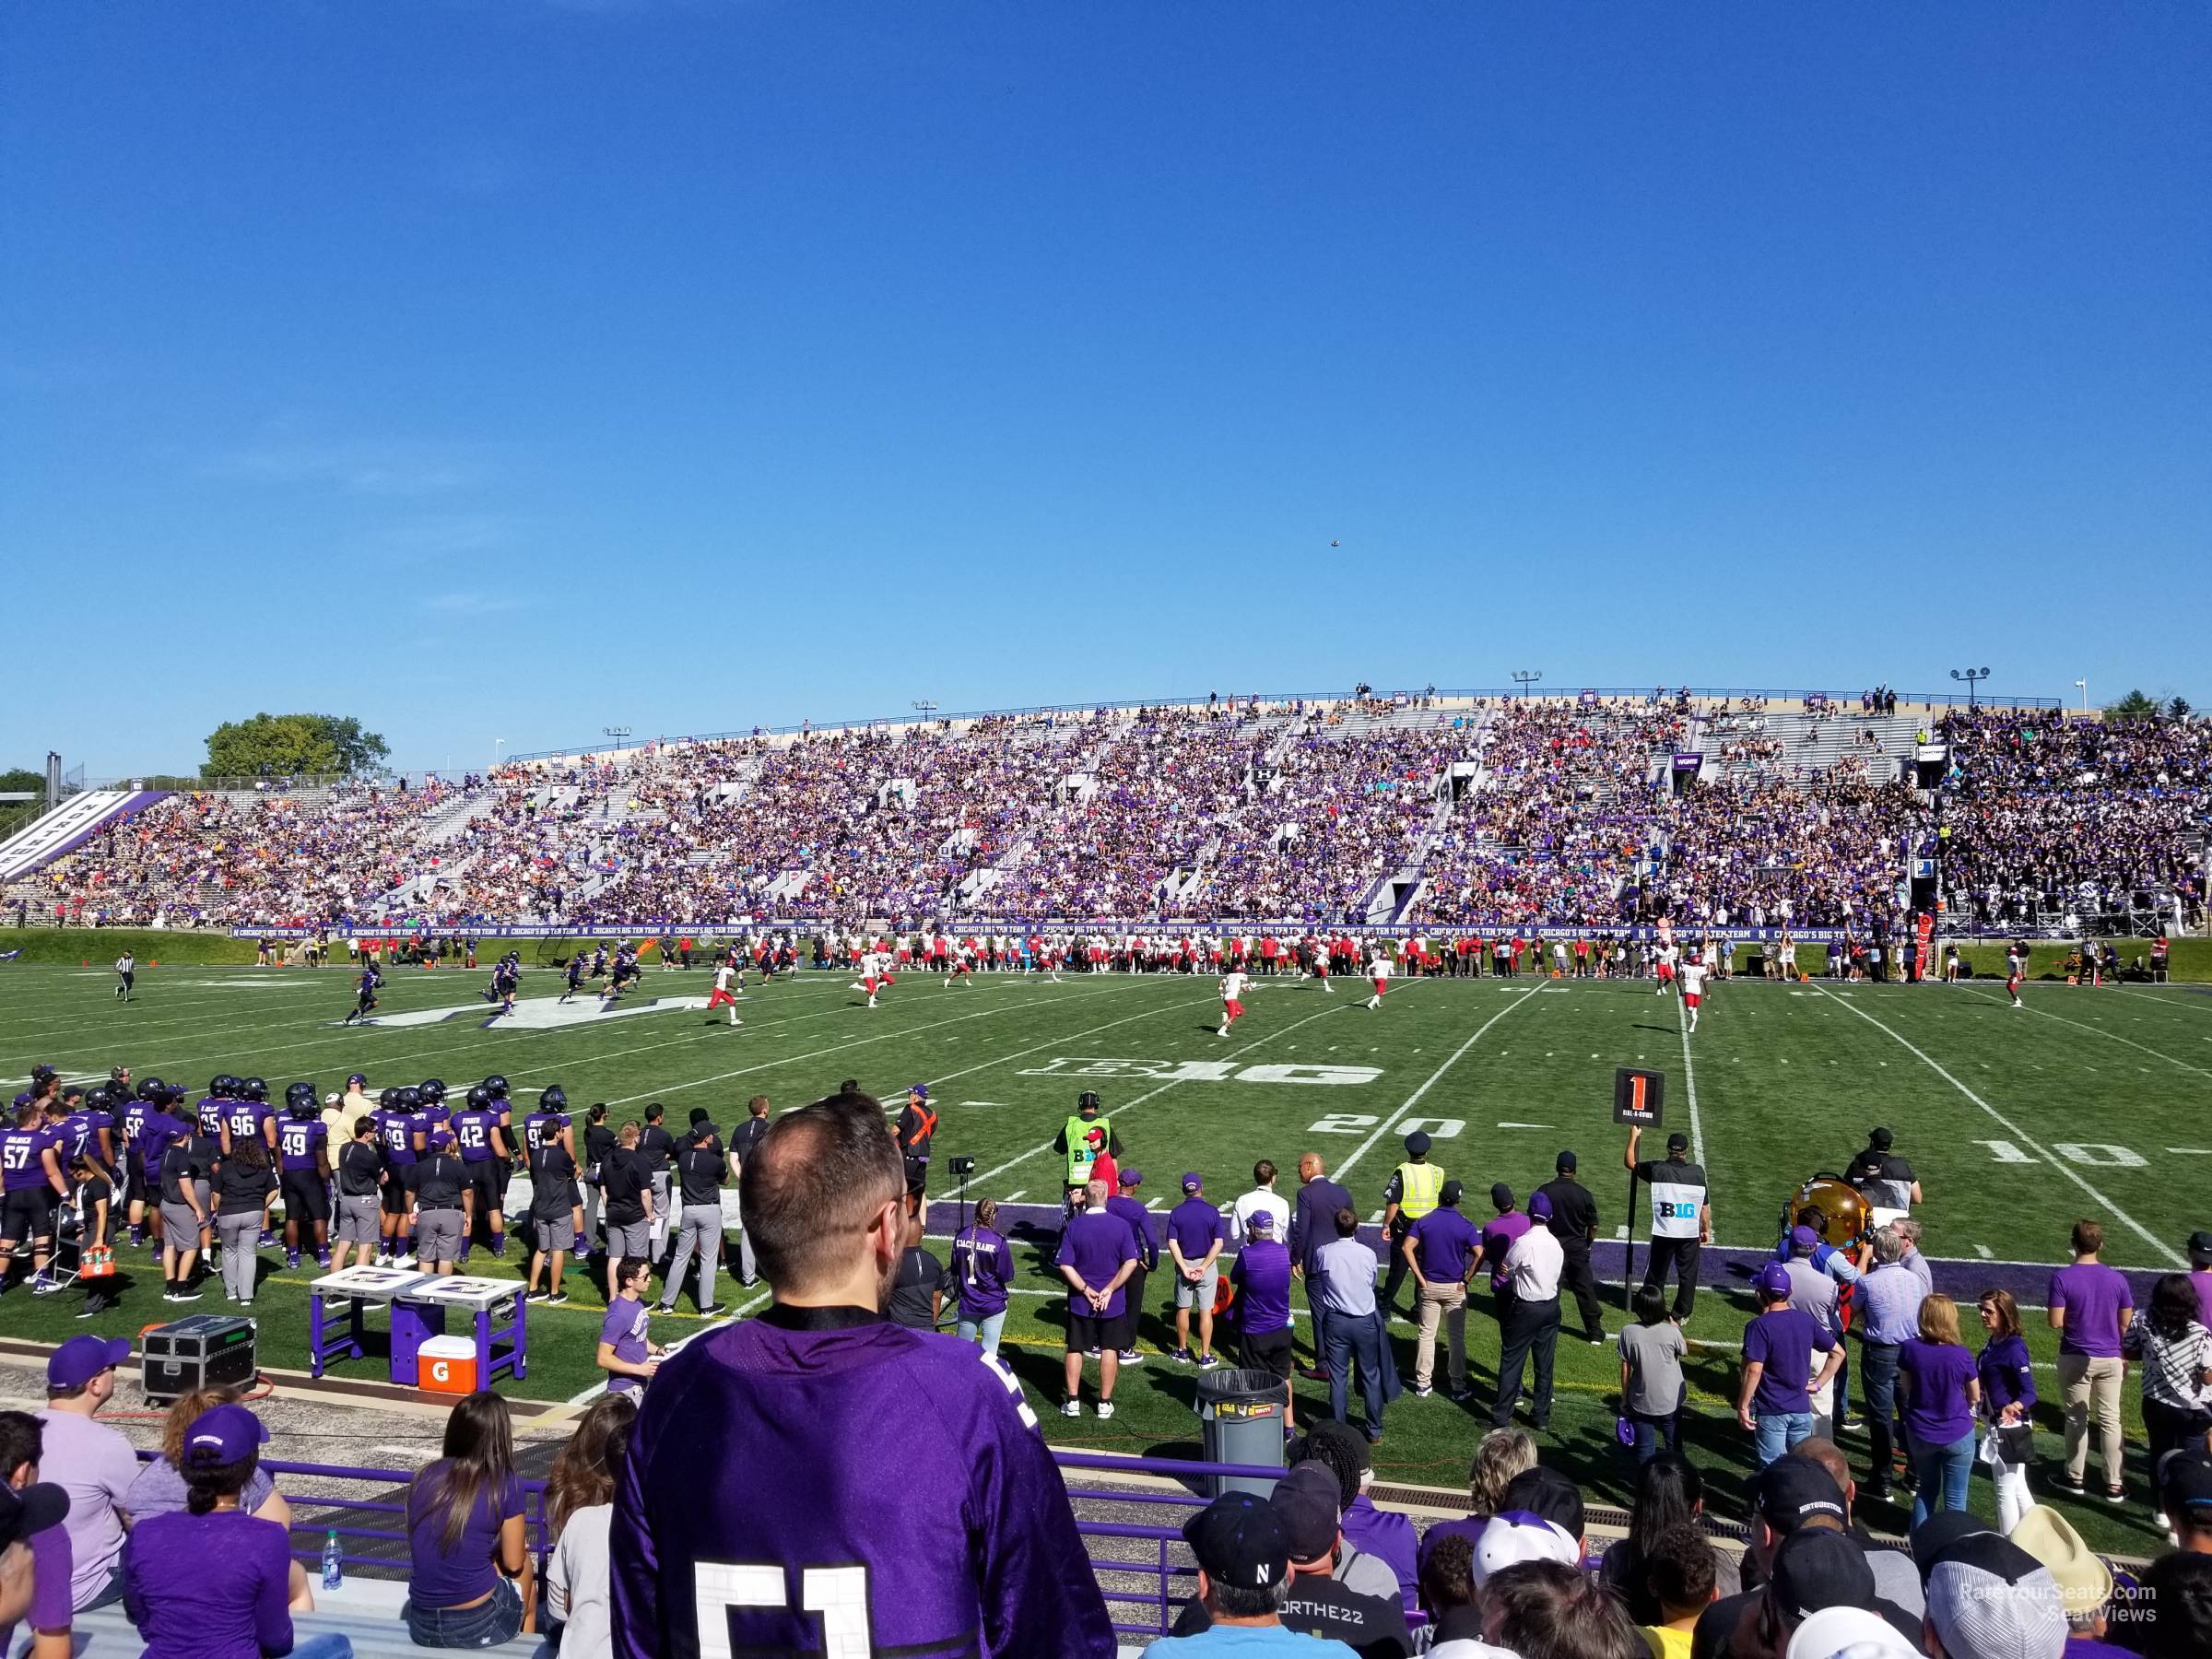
x: 2090, y: 1308
x: 89, y: 1460
x: 1098, y: 1252
x: 1442, y: 1249
x: 1130, y: 1207
x: 1500, y: 1234
x: 1776, y: 1401
x: 1262, y: 1274
x: 1195, y: 1237
x: 2200, y: 1275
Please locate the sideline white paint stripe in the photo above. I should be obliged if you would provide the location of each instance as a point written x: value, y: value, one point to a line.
x: 1414, y: 1099
x: 2165, y: 1253
x: 1023, y: 1158
x: 2101, y: 1031
x: 1690, y: 1080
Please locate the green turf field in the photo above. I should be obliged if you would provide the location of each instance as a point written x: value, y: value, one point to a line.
x: 2088, y: 1102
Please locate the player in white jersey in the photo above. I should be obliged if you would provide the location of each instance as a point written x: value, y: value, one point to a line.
x: 1693, y: 990
x: 1666, y: 970
x: 723, y: 974
x: 1232, y: 999
x: 1378, y: 973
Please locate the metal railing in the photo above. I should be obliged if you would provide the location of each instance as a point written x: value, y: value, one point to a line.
x: 1158, y: 1584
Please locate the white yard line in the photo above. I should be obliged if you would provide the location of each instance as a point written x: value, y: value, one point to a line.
x: 1119, y: 1112
x: 2101, y: 1031
x: 1690, y: 1080
x: 2164, y: 1251
x: 1171, y: 1007
x: 1414, y: 1099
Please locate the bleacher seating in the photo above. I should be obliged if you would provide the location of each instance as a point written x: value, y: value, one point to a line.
x: 1564, y: 810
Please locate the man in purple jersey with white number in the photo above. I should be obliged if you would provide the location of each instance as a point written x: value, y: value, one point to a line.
x: 819, y: 1481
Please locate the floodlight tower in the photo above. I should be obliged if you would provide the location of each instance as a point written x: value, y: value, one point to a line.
x: 1973, y: 678
x: 1525, y: 677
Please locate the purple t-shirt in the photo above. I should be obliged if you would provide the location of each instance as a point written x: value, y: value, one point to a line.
x: 1263, y: 1272
x: 1782, y: 1339
x: 1096, y: 1243
x: 2092, y: 1295
x: 465, y: 1572
x: 625, y: 1326
x: 768, y: 1441
x: 211, y: 1586
x: 1196, y: 1227
x: 1140, y: 1223
x: 1939, y: 1412
x: 1500, y: 1234
x: 2201, y: 1283
x: 1444, y: 1241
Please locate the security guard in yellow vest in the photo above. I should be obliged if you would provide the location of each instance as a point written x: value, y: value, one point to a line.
x: 1081, y: 1141
x: 1416, y: 1186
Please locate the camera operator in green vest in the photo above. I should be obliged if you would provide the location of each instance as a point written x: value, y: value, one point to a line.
x: 1083, y: 1140
x: 1416, y: 1187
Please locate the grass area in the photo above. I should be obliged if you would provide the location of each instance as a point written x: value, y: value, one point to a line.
x: 2088, y: 1102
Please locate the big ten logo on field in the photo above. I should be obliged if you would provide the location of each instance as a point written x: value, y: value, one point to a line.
x: 1356, y: 1123
x: 1205, y: 1071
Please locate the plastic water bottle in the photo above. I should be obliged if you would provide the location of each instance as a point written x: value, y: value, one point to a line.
x: 334, y: 1571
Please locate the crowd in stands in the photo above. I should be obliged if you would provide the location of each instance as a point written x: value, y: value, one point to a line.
x: 1558, y: 810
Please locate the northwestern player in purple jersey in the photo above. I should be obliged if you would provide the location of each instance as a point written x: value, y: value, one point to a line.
x: 248, y: 1116
x: 399, y: 1127
x: 755, y: 1514
x: 303, y: 1160
x: 131, y: 1122
x: 476, y: 1129
x: 32, y: 1186
x: 365, y: 990
x: 155, y: 1131
x: 209, y: 1109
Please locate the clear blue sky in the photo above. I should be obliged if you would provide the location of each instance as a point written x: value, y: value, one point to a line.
x: 507, y: 368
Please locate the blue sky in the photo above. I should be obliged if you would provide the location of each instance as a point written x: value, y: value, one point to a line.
x: 508, y: 367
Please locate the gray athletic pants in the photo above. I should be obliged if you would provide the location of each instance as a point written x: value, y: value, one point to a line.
x: 698, y: 1229
x: 591, y: 1217
x: 239, y: 1232
x: 660, y: 1212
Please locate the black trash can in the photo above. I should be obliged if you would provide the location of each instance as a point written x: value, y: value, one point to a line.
x: 1243, y: 1413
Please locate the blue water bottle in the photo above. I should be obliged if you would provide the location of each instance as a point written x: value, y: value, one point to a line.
x: 334, y: 1571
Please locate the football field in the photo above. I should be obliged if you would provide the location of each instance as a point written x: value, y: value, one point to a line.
x: 2088, y: 1102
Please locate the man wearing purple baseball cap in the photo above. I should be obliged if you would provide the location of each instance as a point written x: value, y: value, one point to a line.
x: 89, y: 1460
x: 1534, y: 1268
x: 1775, y: 1403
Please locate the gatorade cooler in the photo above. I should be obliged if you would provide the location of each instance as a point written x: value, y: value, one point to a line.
x: 448, y: 1365
x: 1242, y: 1412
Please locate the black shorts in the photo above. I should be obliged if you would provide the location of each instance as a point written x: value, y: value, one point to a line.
x: 482, y: 1178
x: 134, y: 1180
x: 306, y: 1199
x: 394, y: 1196
x: 27, y: 1214
x: 917, y: 1175
x: 1268, y: 1351
x: 1085, y: 1333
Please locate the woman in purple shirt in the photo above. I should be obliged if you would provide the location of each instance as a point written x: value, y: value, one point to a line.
x: 2008, y: 1379
x: 471, y: 1584
x: 982, y: 1265
x: 1940, y: 1394
x: 210, y: 1580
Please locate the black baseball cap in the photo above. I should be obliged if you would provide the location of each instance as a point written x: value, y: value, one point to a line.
x: 1881, y: 1140
x: 35, y: 1509
x: 1932, y: 1536
x: 1821, y: 1568
x: 2185, y: 1482
x: 1501, y: 1194
x: 1240, y: 1540
x: 1564, y: 1162
x: 1453, y: 1190
x: 1677, y: 1142
x: 1792, y: 1489
x: 1547, y: 1493
x: 1305, y: 1501
x: 2200, y: 1249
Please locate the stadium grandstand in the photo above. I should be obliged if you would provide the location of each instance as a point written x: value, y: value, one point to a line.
x: 1438, y: 809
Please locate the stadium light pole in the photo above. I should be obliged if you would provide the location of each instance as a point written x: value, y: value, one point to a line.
x: 497, y: 745
x: 925, y: 708
x: 1972, y: 677
x: 2082, y: 686
x: 1525, y: 677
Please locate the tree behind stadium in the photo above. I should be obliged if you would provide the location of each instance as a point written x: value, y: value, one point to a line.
x: 291, y: 744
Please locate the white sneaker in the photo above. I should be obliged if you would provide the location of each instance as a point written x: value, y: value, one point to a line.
x: 1072, y: 1408
x: 1105, y: 1409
